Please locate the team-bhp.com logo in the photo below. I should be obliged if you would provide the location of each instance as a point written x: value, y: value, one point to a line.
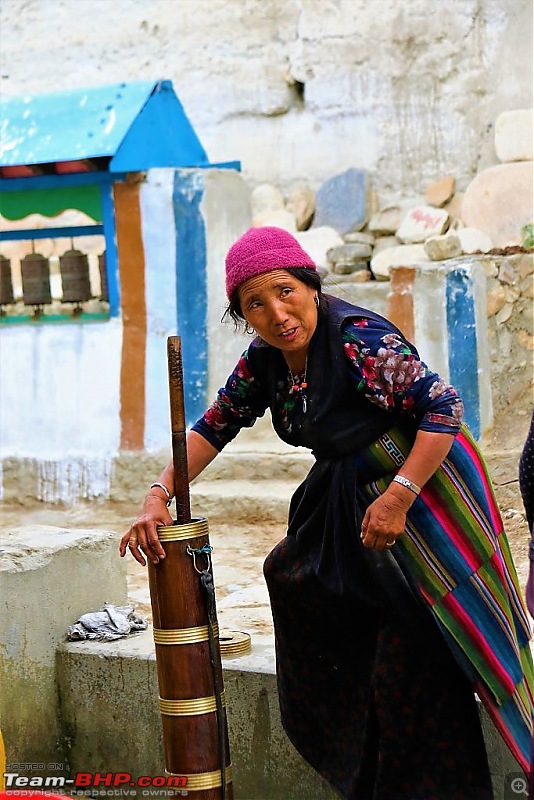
x: 95, y: 784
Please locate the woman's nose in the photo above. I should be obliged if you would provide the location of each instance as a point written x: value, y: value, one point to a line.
x: 278, y: 313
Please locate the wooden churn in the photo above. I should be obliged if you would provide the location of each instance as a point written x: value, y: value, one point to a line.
x: 186, y: 635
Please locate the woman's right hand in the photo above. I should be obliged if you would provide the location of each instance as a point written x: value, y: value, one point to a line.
x: 142, y: 536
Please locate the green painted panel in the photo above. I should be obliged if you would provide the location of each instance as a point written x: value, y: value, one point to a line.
x: 51, y: 202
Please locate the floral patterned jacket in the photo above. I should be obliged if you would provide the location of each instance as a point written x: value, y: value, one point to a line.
x: 383, y: 366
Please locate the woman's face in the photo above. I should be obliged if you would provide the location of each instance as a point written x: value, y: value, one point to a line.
x: 282, y: 310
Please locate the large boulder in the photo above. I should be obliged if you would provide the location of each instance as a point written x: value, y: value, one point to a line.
x: 499, y: 202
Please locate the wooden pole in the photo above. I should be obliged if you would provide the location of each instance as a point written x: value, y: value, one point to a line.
x: 178, y: 430
x: 192, y: 704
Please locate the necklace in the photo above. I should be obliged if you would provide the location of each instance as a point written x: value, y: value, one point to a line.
x: 299, y: 385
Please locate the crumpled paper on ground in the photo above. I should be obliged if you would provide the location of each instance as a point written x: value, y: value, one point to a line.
x: 110, y: 623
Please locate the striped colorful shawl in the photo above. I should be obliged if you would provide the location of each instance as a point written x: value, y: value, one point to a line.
x: 456, y: 549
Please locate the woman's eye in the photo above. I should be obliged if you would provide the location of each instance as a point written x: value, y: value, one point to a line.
x: 286, y: 291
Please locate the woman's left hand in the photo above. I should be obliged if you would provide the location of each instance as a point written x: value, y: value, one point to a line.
x: 384, y: 522
x: 385, y: 519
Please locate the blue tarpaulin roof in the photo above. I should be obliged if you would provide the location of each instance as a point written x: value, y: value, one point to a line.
x: 136, y: 125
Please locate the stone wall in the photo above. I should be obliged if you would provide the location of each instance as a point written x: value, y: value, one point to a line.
x: 298, y: 89
x: 510, y: 310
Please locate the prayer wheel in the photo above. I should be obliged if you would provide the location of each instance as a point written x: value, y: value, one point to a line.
x: 6, y: 282
x: 102, y: 268
x: 75, y: 280
x: 186, y: 634
x: 35, y: 270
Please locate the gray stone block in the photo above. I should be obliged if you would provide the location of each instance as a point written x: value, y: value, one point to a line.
x: 342, y: 202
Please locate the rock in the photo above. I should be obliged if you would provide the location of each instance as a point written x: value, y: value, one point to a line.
x: 386, y: 221
x: 301, y: 203
x: 438, y: 248
x: 384, y: 242
x: 440, y: 192
x: 362, y: 276
x: 280, y: 218
x: 402, y: 256
x: 265, y: 198
x: 349, y: 253
x: 526, y: 288
x: 421, y: 223
x: 474, y: 241
x: 342, y: 202
x: 499, y: 202
x: 495, y: 300
x: 454, y: 206
x: 374, y: 203
x: 504, y: 314
x: 317, y: 241
x: 512, y: 294
x: 513, y: 136
x: 506, y: 272
x: 348, y: 267
x: 525, y: 339
x: 348, y: 258
x: 526, y: 264
x: 489, y: 267
x: 359, y: 237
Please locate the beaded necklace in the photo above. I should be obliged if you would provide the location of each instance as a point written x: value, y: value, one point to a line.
x: 298, y: 385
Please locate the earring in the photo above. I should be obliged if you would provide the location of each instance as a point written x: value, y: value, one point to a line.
x: 249, y: 331
x: 316, y: 300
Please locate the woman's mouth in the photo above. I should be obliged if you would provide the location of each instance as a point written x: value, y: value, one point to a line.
x: 289, y: 335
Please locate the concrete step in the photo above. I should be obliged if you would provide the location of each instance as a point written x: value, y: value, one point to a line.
x: 241, y: 500
x: 252, y: 479
x: 258, y: 454
x: 259, y: 465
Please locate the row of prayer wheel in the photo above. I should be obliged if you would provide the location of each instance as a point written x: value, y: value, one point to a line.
x: 35, y: 273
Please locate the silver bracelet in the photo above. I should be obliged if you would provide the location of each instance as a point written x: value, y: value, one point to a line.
x: 409, y: 484
x: 162, y: 486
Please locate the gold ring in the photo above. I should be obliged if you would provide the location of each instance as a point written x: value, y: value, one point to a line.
x: 132, y: 542
x: 390, y: 544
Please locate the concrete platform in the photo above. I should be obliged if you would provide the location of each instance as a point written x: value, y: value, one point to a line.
x: 109, y: 701
x: 108, y: 694
x: 48, y: 578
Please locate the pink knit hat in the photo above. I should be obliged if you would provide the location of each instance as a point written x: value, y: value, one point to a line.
x: 262, y: 250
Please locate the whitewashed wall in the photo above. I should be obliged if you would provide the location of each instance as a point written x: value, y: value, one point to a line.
x: 60, y: 389
x: 409, y: 89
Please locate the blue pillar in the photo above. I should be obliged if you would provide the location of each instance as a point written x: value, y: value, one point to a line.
x: 191, y: 288
x: 462, y: 344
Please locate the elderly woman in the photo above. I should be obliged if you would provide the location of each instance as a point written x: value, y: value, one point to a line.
x: 394, y: 596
